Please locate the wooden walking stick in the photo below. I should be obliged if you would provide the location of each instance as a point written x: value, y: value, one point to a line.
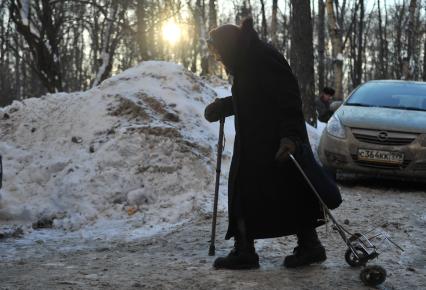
x: 216, y: 190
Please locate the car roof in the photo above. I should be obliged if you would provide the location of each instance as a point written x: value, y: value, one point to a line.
x: 396, y: 81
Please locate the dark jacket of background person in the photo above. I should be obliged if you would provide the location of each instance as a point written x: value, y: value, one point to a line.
x: 323, y: 109
x: 322, y: 104
x: 273, y: 198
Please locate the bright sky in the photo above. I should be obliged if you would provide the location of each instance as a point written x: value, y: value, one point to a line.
x: 227, y: 6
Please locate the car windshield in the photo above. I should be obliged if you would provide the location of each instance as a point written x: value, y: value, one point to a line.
x: 397, y: 95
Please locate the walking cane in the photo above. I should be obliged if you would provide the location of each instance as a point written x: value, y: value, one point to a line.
x: 216, y: 190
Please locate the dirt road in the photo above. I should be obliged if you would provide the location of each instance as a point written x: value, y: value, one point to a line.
x: 178, y: 259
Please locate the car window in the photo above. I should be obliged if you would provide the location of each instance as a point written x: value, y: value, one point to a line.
x: 409, y: 96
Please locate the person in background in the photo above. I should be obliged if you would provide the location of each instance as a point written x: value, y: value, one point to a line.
x: 322, y: 104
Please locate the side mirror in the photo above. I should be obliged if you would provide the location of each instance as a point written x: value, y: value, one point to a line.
x: 335, y: 105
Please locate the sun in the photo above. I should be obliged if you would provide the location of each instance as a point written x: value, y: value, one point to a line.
x: 171, y: 32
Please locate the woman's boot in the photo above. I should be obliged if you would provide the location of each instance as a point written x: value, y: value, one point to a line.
x: 309, y: 250
x: 242, y: 256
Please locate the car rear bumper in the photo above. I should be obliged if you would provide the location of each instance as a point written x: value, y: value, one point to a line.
x: 342, y: 155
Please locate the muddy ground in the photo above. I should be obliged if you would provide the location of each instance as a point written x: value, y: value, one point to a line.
x: 178, y: 259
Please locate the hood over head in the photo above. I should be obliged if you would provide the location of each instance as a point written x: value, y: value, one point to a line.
x: 232, y: 42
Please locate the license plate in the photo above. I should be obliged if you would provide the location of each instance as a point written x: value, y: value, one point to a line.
x: 381, y: 156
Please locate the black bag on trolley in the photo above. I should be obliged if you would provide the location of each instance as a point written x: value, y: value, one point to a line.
x: 322, y: 182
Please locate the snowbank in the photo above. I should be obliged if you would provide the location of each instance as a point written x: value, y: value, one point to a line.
x: 315, y: 136
x: 134, y: 153
x: 135, y: 147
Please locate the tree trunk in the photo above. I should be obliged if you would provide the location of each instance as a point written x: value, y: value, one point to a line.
x: 407, y: 62
x: 200, y: 16
x: 274, y: 22
x: 17, y: 72
x: 26, y: 89
x: 381, y: 73
x: 302, y: 56
x: 42, y: 40
x: 3, y: 44
x: 424, y: 55
x: 106, y: 53
x: 264, y: 34
x: 398, y: 42
x: 212, y: 24
x: 386, y: 51
x: 141, y: 29
x: 212, y: 14
x: 337, y: 49
x: 360, y: 49
x: 286, y: 29
x: 352, y: 53
x: 243, y: 11
x: 321, y: 43
x: 111, y: 38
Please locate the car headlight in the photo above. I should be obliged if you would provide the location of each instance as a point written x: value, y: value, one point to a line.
x: 335, y: 127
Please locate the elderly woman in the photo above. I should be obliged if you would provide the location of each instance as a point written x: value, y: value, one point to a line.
x: 267, y: 196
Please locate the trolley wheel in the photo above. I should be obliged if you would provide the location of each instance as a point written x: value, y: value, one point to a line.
x: 352, y: 260
x: 373, y: 275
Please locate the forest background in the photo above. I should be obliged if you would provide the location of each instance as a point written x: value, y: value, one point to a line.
x: 72, y: 45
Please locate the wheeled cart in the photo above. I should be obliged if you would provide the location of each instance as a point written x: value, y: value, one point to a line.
x: 361, y: 247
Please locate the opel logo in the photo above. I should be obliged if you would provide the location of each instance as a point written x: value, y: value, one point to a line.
x: 383, y: 136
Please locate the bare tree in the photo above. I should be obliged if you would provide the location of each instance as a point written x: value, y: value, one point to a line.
x: 243, y: 11
x: 407, y: 61
x: 321, y: 43
x: 302, y: 56
x: 398, y: 60
x: 424, y: 61
x: 264, y: 30
x: 113, y: 32
x: 286, y: 29
x: 141, y: 35
x: 383, y: 47
x: 40, y: 22
x: 274, y: 22
x: 212, y: 24
x: 50, y: 45
x: 337, y: 48
x: 212, y: 14
x: 360, y: 48
x: 200, y: 15
x: 424, y: 52
x: 109, y: 44
x: 6, y: 78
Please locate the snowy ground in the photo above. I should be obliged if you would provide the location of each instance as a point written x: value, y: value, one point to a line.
x: 112, y: 188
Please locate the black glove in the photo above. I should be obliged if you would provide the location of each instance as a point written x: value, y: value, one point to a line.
x: 287, y: 147
x: 215, y: 111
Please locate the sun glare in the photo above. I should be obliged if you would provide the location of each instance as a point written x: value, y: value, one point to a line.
x: 171, y: 32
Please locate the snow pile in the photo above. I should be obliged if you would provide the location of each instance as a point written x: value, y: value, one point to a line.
x: 133, y: 153
x: 315, y: 136
x: 135, y: 148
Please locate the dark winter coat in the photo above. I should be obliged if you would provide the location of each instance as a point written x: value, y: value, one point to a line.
x: 273, y: 198
x: 323, y: 110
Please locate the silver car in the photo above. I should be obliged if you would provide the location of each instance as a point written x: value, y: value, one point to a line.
x: 379, y: 130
